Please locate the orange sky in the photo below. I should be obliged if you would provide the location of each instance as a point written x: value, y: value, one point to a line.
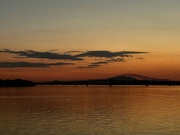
x: 98, y: 31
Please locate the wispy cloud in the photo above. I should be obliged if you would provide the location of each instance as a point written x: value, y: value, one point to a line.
x: 72, y: 52
x: 139, y: 58
x: 100, y: 57
x: 45, y: 55
x: 30, y: 64
x: 95, y: 64
x: 116, y: 60
x: 90, y: 66
x: 100, y: 63
x: 68, y: 55
x: 108, y: 54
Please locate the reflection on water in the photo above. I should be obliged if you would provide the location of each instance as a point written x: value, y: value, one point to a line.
x: 94, y: 110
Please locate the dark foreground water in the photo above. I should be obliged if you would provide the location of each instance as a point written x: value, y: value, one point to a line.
x: 93, y: 110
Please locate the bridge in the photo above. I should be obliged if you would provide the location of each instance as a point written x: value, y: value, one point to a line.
x: 136, y: 76
x: 123, y: 79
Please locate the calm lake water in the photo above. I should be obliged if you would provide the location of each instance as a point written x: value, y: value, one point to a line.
x: 93, y: 110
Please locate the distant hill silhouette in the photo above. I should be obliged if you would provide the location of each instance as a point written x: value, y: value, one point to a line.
x: 16, y: 83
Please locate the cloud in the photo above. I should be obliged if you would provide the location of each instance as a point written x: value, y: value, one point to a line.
x: 100, y: 63
x: 30, y: 64
x: 45, y: 55
x: 53, y: 50
x: 95, y: 64
x: 116, y: 60
x: 101, y: 57
x: 70, y: 52
x: 108, y: 54
x: 89, y: 66
x: 68, y: 55
x: 139, y: 58
x: 81, y: 67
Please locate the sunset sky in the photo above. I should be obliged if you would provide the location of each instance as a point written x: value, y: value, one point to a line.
x: 44, y: 40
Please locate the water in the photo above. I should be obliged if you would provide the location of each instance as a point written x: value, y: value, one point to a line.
x: 93, y: 110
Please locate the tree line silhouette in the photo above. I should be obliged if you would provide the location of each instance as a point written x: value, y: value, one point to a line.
x: 16, y: 83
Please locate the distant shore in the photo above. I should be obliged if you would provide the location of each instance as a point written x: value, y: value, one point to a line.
x: 110, y: 83
x: 26, y: 83
x: 16, y: 83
